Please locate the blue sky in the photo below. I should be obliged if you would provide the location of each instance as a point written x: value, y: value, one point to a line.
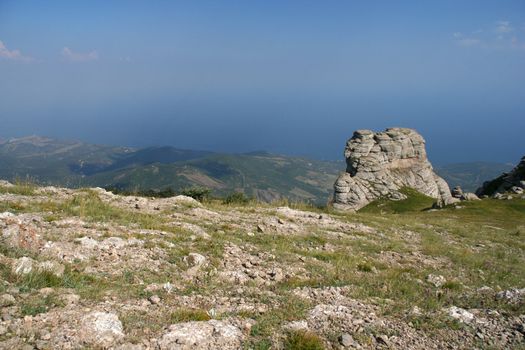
x: 292, y: 77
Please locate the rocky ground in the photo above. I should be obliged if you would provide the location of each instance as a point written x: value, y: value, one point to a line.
x: 89, y: 269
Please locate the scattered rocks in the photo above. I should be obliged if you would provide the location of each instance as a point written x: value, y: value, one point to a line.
x: 21, y: 231
x: 458, y: 193
x: 148, y: 259
x: 513, y: 295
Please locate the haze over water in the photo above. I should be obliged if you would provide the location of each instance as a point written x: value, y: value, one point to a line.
x: 291, y: 77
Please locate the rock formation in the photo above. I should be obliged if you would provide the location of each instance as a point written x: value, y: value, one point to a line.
x: 380, y: 164
x: 458, y: 193
x: 514, y: 181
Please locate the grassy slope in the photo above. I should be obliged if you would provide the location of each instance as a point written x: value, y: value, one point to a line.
x: 415, y: 202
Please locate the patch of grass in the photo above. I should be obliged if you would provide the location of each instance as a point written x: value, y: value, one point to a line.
x: 452, y: 285
x: 87, y: 286
x: 365, y: 267
x: 37, y: 280
x: 262, y: 344
x: 20, y: 187
x: 415, y: 201
x: 14, y: 252
x: 303, y: 340
x: 187, y: 315
x: 291, y: 308
x: 37, y: 304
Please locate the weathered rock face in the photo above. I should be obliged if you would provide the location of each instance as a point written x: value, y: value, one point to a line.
x: 510, y: 182
x: 380, y: 164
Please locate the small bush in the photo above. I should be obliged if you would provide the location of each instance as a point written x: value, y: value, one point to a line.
x: 38, y: 280
x: 199, y: 193
x: 303, y: 340
x: 236, y: 198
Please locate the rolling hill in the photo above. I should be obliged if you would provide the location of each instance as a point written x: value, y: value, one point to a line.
x: 259, y: 174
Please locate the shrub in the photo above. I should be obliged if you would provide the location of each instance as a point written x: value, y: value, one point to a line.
x: 198, y: 193
x: 303, y: 340
x: 236, y: 198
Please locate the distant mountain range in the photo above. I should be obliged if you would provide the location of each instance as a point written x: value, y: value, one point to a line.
x: 259, y: 174
x: 470, y: 176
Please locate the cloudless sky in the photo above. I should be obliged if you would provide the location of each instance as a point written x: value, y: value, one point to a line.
x: 291, y: 77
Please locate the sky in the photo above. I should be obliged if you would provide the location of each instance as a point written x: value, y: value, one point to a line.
x: 288, y: 77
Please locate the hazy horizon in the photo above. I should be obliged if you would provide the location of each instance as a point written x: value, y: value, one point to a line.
x: 294, y: 77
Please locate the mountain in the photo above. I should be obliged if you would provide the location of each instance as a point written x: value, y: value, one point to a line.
x: 51, y: 161
x: 260, y: 174
x: 471, y: 175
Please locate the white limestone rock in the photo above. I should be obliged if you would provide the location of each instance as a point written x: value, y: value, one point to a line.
x: 202, y: 335
x: 380, y: 164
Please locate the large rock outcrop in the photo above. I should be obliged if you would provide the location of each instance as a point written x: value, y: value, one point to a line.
x: 514, y: 181
x: 380, y: 164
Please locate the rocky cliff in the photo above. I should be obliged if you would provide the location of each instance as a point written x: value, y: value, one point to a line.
x: 514, y: 181
x: 380, y: 164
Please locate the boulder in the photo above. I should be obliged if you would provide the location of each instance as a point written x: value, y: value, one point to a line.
x: 23, y: 266
x: 194, y: 259
x: 469, y: 196
x: 460, y: 314
x: 380, y: 164
x: 457, y: 192
x: 101, y: 328
x: 211, y: 334
x: 20, y: 231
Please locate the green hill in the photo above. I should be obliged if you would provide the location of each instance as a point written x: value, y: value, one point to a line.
x: 259, y: 174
